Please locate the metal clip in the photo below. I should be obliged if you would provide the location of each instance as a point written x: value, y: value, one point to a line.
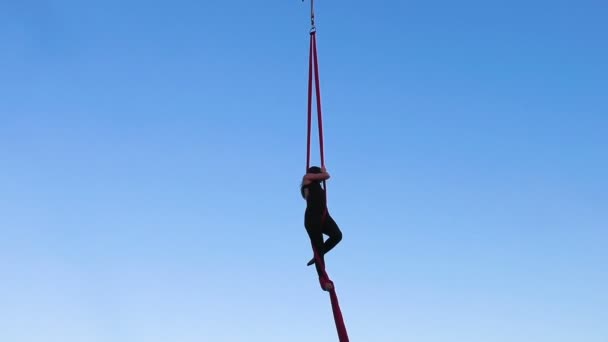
x: 312, y: 16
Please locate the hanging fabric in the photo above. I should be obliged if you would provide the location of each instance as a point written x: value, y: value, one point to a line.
x: 314, y: 71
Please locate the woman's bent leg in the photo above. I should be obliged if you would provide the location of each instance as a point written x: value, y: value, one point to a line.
x: 331, y: 229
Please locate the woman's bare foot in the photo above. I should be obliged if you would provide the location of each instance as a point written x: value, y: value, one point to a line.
x: 326, y: 284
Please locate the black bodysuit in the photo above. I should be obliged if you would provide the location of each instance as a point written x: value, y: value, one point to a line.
x: 318, y: 222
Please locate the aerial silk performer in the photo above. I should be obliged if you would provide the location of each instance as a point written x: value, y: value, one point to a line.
x: 317, y: 219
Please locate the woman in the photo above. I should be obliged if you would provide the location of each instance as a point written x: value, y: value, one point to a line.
x: 317, y: 219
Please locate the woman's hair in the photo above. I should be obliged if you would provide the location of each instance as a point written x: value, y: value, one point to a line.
x: 314, y: 169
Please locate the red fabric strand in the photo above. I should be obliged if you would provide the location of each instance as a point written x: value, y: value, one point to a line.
x: 318, y: 94
x: 310, y: 66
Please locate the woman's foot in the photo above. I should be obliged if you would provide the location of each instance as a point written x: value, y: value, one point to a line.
x: 312, y: 261
x: 326, y: 284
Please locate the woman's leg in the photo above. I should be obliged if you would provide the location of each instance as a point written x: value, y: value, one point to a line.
x: 315, y: 233
x: 331, y: 229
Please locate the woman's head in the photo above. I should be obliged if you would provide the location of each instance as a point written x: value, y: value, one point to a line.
x: 312, y: 169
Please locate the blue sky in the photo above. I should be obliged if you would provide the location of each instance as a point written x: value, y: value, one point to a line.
x: 151, y: 154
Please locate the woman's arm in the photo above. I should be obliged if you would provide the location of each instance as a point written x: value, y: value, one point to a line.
x: 317, y: 176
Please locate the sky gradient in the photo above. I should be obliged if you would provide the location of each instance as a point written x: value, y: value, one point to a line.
x: 151, y: 154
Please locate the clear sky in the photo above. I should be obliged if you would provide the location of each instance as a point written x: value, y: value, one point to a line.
x: 151, y: 153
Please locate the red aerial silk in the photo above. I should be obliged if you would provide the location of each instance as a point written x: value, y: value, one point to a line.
x: 324, y: 279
